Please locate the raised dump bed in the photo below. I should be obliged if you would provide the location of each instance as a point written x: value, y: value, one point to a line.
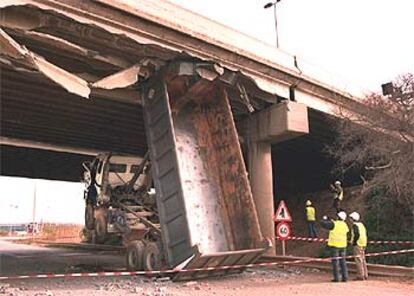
x: 205, y: 204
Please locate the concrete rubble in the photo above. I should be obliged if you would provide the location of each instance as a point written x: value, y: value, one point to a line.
x: 271, y: 273
x: 6, y: 289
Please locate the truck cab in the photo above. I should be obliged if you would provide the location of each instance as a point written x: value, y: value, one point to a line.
x: 108, y: 171
x: 114, y: 185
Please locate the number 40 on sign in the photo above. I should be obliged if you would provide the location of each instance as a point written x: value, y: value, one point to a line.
x: 283, y: 231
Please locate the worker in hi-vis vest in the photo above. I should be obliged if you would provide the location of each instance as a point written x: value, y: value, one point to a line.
x: 359, y: 243
x: 310, y: 214
x: 338, y: 195
x: 337, y: 243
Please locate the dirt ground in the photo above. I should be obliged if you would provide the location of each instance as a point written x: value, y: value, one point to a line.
x: 21, y: 259
x: 252, y: 282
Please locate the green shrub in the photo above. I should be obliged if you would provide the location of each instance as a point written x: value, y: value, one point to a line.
x: 386, y: 219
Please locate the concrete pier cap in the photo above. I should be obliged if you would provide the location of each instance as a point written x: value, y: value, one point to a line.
x: 281, y: 122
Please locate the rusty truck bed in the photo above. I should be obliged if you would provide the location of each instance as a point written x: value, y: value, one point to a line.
x: 206, y: 208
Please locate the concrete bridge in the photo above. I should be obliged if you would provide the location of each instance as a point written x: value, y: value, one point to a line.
x: 70, y: 87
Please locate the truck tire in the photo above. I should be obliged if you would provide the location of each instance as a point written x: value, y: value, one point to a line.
x: 89, y: 217
x: 87, y: 236
x: 152, y: 260
x: 101, y: 227
x: 134, y: 257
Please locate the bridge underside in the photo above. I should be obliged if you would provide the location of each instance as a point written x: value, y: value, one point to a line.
x: 48, y: 127
x: 54, y: 57
x: 47, y: 133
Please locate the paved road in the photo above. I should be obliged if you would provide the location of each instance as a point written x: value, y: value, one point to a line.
x: 28, y: 259
x: 24, y: 259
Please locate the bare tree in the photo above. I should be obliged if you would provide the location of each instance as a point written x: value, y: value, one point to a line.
x: 378, y: 141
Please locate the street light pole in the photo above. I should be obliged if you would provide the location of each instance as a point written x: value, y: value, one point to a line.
x: 34, y: 203
x: 274, y: 4
x: 277, y: 34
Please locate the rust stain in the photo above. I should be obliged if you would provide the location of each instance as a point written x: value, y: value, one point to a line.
x: 208, y: 115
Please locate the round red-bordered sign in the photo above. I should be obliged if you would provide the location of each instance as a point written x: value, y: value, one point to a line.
x: 283, y: 231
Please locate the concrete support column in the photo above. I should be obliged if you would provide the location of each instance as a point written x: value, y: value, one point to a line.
x: 276, y: 124
x: 261, y: 182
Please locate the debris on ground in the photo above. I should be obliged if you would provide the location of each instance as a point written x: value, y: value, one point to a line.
x: 83, y: 268
x: 134, y: 285
x: 163, y: 279
x: 6, y: 289
x: 138, y: 290
x: 44, y: 293
x: 271, y: 273
x: 190, y: 283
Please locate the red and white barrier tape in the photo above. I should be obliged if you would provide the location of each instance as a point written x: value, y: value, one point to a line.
x: 389, y: 242
x: 158, y: 272
x: 294, y: 238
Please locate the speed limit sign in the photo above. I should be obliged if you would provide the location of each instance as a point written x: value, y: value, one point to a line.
x: 283, y: 231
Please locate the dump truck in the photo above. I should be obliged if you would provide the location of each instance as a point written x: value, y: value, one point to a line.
x: 120, y: 207
x: 204, y: 214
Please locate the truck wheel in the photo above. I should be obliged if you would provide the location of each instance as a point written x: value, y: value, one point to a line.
x: 152, y: 260
x: 84, y: 234
x: 87, y: 236
x: 101, y: 230
x: 89, y: 217
x: 134, y: 256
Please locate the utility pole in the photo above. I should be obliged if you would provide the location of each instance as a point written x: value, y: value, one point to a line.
x: 12, y: 208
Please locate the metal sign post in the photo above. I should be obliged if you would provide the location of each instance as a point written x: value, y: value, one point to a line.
x: 283, y: 230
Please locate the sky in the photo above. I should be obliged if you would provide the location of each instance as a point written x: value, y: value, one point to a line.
x: 365, y: 42
x: 55, y: 201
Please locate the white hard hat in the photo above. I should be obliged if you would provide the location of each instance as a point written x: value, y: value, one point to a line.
x: 337, y: 182
x: 341, y: 215
x: 354, y: 216
x: 308, y: 202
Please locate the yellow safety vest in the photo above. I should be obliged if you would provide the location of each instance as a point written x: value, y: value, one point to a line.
x: 341, y: 195
x: 362, y: 240
x: 310, y: 213
x: 338, y: 235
